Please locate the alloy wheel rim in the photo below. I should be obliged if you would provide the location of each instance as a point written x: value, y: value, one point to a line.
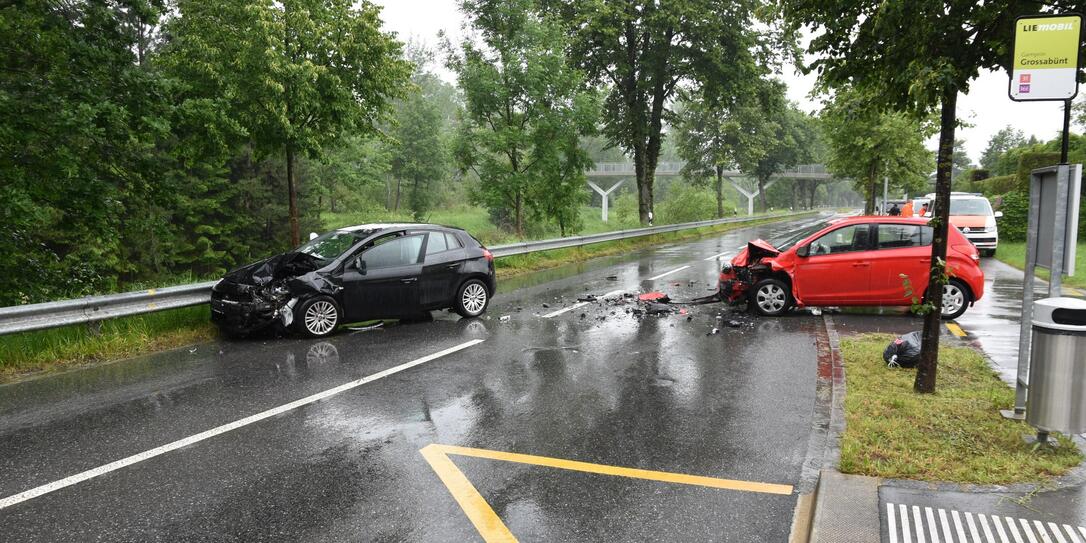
x: 474, y: 298
x: 321, y: 317
x: 771, y: 298
x: 953, y: 299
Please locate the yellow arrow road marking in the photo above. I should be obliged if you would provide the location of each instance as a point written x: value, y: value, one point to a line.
x: 491, y: 527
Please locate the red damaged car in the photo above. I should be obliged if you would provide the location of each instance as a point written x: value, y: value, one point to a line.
x: 854, y: 261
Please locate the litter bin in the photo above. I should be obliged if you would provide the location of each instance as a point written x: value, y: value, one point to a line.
x: 1057, y: 368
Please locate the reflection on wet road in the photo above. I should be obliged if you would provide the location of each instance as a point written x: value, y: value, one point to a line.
x: 597, y: 384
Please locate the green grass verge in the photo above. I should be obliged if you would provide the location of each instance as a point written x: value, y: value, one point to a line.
x: 1014, y: 253
x: 955, y: 435
x: 59, y: 348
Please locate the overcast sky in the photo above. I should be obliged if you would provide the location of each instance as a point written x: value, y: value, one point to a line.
x: 987, y: 107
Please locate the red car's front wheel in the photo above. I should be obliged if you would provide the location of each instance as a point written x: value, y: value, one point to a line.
x: 771, y: 297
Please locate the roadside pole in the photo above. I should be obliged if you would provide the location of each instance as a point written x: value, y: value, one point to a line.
x: 1045, y: 66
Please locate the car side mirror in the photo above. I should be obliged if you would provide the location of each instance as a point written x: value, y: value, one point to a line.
x: 803, y: 251
x: 999, y: 214
x: 360, y: 265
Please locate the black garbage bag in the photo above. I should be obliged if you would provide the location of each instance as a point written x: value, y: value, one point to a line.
x: 904, y: 351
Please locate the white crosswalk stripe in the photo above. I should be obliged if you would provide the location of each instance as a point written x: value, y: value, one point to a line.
x: 917, y: 524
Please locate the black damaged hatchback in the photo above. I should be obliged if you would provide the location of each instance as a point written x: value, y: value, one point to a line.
x: 357, y: 273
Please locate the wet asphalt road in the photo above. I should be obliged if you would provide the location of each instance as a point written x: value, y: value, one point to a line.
x: 594, y: 384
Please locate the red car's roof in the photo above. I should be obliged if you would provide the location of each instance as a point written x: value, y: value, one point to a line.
x: 867, y: 219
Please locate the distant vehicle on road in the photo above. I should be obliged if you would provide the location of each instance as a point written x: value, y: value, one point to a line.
x: 972, y: 214
x: 358, y: 273
x: 855, y: 261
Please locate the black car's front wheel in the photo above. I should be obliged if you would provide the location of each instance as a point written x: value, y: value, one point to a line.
x: 317, y: 317
x: 472, y: 298
x: 771, y: 297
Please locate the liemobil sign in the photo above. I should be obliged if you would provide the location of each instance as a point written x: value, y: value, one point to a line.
x: 1045, y: 57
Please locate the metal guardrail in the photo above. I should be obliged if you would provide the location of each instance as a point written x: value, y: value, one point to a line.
x: 92, y: 309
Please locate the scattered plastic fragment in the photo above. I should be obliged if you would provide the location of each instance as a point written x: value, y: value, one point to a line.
x: 654, y: 297
x: 504, y: 318
x: 658, y: 309
x: 587, y: 298
x: 735, y: 324
x: 612, y: 278
x: 713, y: 332
x: 366, y: 328
x: 683, y: 311
x: 545, y: 305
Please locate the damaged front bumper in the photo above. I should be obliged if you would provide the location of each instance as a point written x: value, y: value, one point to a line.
x: 734, y: 283
x: 240, y: 309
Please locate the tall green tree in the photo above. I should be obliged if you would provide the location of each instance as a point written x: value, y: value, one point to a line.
x: 866, y: 145
x: 294, y: 74
x: 643, y: 51
x: 784, y: 140
x: 915, y: 56
x: 756, y: 131
x: 80, y: 120
x: 1004, y: 140
x: 526, y: 109
x: 419, y: 156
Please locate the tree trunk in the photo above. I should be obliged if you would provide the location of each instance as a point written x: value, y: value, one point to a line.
x: 518, y: 220
x: 396, y: 205
x: 928, y: 366
x: 719, y: 192
x: 761, y: 194
x: 292, y: 190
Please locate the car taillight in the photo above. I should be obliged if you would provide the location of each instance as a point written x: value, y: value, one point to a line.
x: 969, y: 250
x: 488, y: 255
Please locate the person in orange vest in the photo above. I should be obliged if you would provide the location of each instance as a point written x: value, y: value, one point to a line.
x: 907, y: 209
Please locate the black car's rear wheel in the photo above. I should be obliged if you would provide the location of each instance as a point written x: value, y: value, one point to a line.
x: 472, y: 299
x: 317, y: 317
x: 771, y: 298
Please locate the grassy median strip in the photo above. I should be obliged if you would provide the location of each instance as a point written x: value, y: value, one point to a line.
x: 59, y: 348
x: 1014, y: 253
x: 954, y: 435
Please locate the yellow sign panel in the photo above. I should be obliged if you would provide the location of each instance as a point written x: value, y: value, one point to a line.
x: 1046, y: 51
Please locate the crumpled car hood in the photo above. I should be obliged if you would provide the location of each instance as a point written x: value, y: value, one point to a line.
x: 280, y: 266
x: 755, y: 251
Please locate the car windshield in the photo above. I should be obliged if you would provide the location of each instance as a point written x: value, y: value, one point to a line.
x: 331, y: 245
x: 970, y: 206
x: 785, y: 242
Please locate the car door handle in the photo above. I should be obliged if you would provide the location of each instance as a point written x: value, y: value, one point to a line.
x: 860, y: 264
x: 453, y: 266
x: 409, y: 280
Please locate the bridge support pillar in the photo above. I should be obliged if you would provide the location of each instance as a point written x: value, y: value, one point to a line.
x: 605, y: 195
x: 750, y: 195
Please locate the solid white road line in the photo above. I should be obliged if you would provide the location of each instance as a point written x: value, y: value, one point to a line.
x: 553, y: 314
x: 146, y: 455
x: 665, y: 274
x: 714, y: 257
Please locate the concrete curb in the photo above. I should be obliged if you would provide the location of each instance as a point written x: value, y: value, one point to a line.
x: 841, y: 508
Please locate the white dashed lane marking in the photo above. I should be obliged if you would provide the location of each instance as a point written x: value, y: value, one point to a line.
x: 665, y: 274
x: 553, y: 314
